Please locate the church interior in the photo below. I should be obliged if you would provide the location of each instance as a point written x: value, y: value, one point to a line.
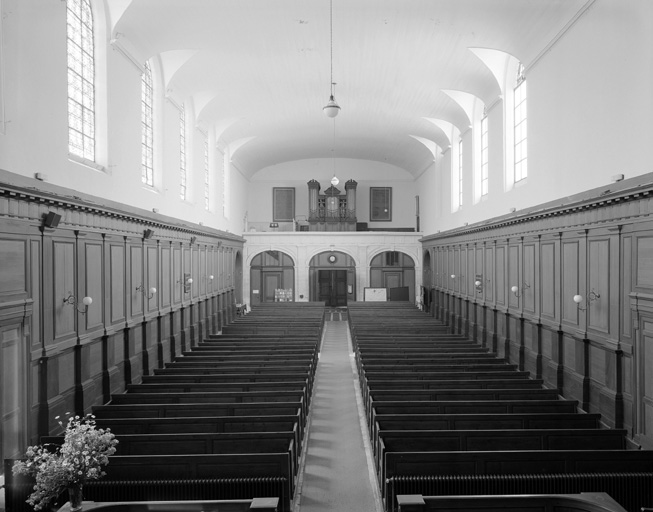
x: 409, y: 218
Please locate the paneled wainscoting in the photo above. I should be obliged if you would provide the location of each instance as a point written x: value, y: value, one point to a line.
x: 156, y: 288
x: 566, y: 292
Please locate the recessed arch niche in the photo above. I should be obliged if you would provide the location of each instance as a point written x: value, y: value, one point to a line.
x: 395, y: 271
x: 332, y: 278
x: 270, y: 272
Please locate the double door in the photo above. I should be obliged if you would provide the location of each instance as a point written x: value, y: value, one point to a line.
x: 332, y: 287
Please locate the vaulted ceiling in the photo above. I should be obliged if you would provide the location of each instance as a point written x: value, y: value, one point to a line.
x: 258, y: 71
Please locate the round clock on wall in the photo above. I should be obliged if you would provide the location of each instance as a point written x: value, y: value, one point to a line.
x: 332, y: 258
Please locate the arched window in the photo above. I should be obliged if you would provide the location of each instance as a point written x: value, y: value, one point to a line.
x: 147, y: 135
x: 460, y: 173
x: 207, y: 175
x: 484, y: 156
x: 182, y: 153
x: 521, y: 161
x: 81, y: 80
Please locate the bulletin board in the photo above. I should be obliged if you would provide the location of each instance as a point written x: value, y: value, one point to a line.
x: 375, y: 295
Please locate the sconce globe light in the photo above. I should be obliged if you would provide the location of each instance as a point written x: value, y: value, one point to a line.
x: 578, y: 299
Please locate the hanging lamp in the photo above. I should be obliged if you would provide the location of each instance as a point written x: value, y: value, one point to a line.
x: 332, y: 108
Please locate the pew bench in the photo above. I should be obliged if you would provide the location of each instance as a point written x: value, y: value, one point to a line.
x: 627, y: 474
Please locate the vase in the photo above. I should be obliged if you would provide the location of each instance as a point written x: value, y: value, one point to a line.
x: 75, y: 497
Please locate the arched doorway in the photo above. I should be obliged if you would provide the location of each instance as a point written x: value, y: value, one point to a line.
x: 332, y: 278
x: 272, y: 278
x: 394, y: 271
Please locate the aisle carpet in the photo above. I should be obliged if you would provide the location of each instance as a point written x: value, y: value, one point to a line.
x: 336, y: 476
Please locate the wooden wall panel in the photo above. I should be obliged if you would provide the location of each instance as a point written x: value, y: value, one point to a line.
x: 167, y: 277
x: 548, y: 279
x: 196, y: 272
x: 501, y: 275
x: 152, y: 281
x: 13, y: 400
x: 35, y: 292
x: 644, y: 262
x: 63, y: 270
x: 136, y: 279
x: 488, y: 274
x: 626, y: 287
x: 528, y: 279
x: 177, y: 275
x: 92, y: 285
x: 570, y: 280
x: 599, y: 283
x: 117, y: 283
x: 203, y: 271
x: 13, y: 269
x: 513, y: 275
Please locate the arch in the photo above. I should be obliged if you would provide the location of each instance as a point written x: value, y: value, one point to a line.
x: 332, y: 278
x: 272, y: 277
x: 395, y: 271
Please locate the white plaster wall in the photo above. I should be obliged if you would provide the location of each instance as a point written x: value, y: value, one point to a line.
x: 301, y: 247
x: 589, y: 117
x: 366, y: 173
x: 35, y: 137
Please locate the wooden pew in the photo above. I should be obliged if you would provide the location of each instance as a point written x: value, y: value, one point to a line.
x: 582, y: 502
x: 404, y: 441
x: 202, y: 443
x: 628, y: 474
x: 475, y: 421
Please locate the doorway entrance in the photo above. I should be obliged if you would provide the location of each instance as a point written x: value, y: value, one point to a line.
x: 332, y: 279
x: 333, y: 287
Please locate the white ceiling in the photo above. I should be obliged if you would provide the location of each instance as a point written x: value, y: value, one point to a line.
x: 258, y: 71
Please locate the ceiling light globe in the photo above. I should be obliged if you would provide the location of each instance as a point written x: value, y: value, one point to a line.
x: 335, y: 181
x: 332, y: 108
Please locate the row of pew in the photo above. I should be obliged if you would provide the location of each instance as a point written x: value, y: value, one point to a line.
x: 448, y: 417
x: 224, y: 420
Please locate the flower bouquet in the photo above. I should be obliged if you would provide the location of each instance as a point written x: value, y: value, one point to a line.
x: 56, y: 468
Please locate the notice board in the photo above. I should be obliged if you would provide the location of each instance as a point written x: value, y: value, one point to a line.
x: 375, y: 295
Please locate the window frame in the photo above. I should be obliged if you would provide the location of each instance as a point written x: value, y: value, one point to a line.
x: 376, y: 216
x: 276, y: 217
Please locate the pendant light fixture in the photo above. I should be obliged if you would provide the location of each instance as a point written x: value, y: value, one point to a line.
x: 334, y: 180
x: 332, y: 108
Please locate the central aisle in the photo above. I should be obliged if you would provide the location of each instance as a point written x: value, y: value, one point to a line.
x: 336, y: 476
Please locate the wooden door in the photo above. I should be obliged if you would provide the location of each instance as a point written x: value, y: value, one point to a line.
x: 271, y: 282
x: 332, y: 287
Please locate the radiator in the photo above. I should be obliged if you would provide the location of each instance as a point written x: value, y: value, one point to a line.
x: 164, y: 490
x: 631, y: 490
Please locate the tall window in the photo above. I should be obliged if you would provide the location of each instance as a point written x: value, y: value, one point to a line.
x: 81, y: 79
x: 147, y: 144
x: 182, y: 153
x: 521, y: 167
x: 484, y: 157
x: 206, y: 173
x: 460, y: 173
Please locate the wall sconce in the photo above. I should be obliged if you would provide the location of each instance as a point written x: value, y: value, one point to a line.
x: 208, y: 278
x: 479, y: 285
x: 141, y: 289
x: 515, y: 289
x: 71, y: 300
x: 578, y: 299
x: 453, y: 276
